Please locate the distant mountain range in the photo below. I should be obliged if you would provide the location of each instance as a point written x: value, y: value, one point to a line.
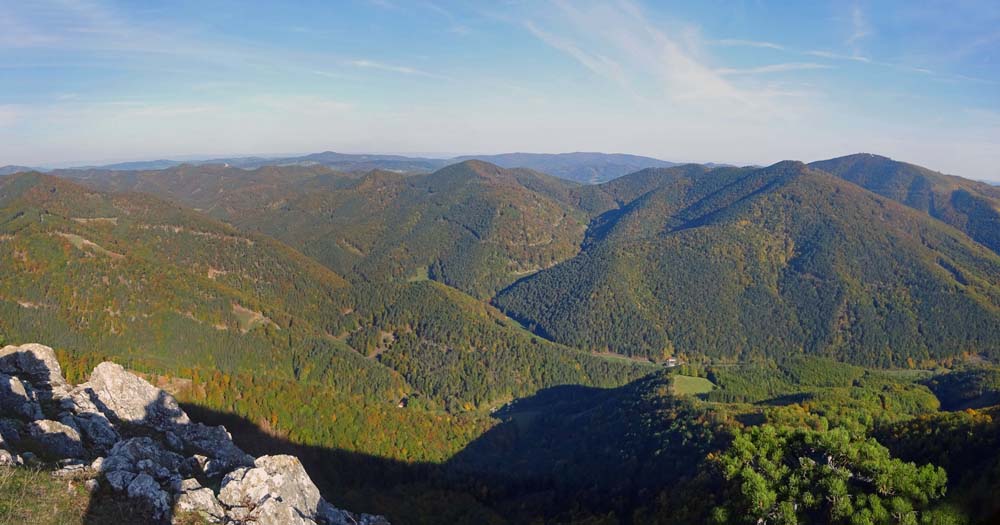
x: 631, y: 266
x: 589, y: 168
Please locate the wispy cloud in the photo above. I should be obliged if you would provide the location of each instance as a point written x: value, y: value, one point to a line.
x: 839, y: 56
x: 456, y: 26
x: 620, y: 43
x: 773, y: 68
x: 860, y: 28
x: 733, y: 42
x: 599, y: 64
x: 392, y: 68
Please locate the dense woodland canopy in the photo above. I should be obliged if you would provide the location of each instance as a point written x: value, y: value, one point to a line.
x: 480, y: 344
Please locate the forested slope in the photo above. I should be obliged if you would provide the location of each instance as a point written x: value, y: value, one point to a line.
x: 970, y: 206
x: 739, y: 263
x: 131, y: 276
x: 471, y: 225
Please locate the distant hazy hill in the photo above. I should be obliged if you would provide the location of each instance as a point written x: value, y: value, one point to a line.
x: 740, y: 262
x: 339, y: 161
x: 970, y: 206
x: 11, y: 169
x: 589, y: 168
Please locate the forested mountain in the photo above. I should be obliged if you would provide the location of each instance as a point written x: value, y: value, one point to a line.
x: 650, y: 265
x: 471, y: 225
x: 970, y: 206
x: 137, y: 277
x: 132, y: 275
x: 359, y: 319
x: 585, y: 167
x: 739, y: 263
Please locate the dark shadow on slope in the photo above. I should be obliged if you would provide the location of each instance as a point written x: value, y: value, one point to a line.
x: 573, y: 453
x: 565, y: 453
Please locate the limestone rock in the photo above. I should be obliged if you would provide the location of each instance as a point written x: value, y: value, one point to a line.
x: 142, y: 456
x: 119, y: 480
x: 194, y: 498
x: 92, y: 485
x: 217, y: 445
x: 147, y: 490
x: 97, y: 431
x: 275, y: 512
x: 36, y: 364
x: 125, y: 397
x: 10, y: 431
x: 149, y: 469
x: 8, y: 458
x: 56, y: 439
x: 18, y: 399
x: 280, y: 478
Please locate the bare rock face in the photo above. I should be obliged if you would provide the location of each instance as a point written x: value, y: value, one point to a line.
x: 125, y: 397
x: 18, y: 399
x: 56, y: 439
x: 193, y: 498
x: 145, y: 489
x: 216, y: 444
x: 35, y: 364
x: 97, y: 431
x: 280, y: 478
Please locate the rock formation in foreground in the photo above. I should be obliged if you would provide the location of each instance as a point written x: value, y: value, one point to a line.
x: 122, y: 433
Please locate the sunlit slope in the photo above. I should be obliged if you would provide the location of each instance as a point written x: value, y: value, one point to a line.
x: 776, y: 261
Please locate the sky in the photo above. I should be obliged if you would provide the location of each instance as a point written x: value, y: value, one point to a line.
x: 741, y: 82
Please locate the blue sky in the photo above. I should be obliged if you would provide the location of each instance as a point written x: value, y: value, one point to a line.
x: 738, y: 82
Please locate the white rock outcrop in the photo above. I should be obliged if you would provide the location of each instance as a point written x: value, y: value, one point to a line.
x: 120, y: 432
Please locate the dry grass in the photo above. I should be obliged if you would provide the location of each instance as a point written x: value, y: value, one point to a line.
x: 33, y: 497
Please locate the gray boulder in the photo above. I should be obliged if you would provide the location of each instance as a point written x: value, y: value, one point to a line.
x: 280, y: 479
x: 9, y: 459
x: 18, y: 399
x: 97, y: 431
x: 56, y: 439
x: 216, y: 444
x: 125, y: 397
x: 10, y: 431
x: 273, y: 511
x: 142, y: 455
x: 119, y: 480
x: 36, y: 364
x: 144, y: 488
x: 193, y: 498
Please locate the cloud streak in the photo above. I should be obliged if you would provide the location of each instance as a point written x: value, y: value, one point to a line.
x: 392, y: 68
x: 734, y: 42
x: 773, y: 68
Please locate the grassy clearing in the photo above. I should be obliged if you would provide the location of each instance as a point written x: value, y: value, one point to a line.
x: 248, y: 319
x: 31, y: 496
x: 691, y: 386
